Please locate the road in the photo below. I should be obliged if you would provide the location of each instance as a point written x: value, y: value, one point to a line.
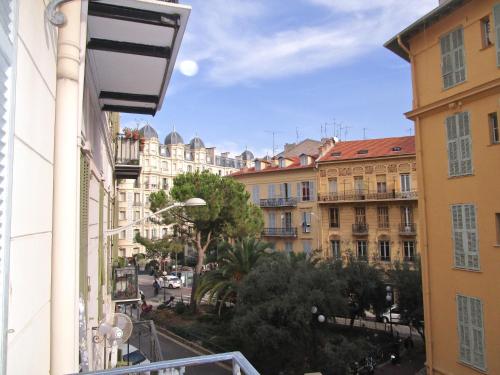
x: 146, y: 286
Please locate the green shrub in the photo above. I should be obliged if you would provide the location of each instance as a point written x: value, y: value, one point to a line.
x: 180, y: 308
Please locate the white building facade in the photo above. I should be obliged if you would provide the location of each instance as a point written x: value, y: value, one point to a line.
x: 161, y: 163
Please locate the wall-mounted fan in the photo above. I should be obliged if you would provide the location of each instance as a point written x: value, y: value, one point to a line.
x: 113, y: 331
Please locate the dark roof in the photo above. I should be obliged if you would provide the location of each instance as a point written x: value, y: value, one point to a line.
x: 430, y: 18
x: 148, y: 132
x: 196, y: 143
x: 295, y: 165
x: 173, y: 138
x: 370, y: 148
x: 247, y: 155
x: 307, y: 146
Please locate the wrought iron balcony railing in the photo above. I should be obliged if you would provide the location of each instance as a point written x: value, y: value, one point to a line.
x: 409, y: 259
x: 407, y: 229
x: 366, y: 195
x: 278, y: 202
x: 360, y: 229
x: 280, y: 232
x: 127, y: 158
x: 125, y: 284
x: 240, y: 365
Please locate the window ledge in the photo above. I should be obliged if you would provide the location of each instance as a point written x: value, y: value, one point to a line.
x: 493, y: 144
x: 460, y: 176
x: 486, y: 47
x: 466, y: 269
x: 455, y: 85
x: 496, y: 245
x: 478, y: 369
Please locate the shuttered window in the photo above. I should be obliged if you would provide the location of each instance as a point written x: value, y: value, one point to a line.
x: 465, y: 242
x: 453, y: 58
x: 270, y: 191
x: 256, y: 194
x: 496, y: 17
x: 459, y: 144
x: 84, y: 226
x: 471, y: 331
x: 272, y: 220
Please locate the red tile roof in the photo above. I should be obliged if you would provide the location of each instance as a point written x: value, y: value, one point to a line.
x: 372, y: 148
x: 295, y: 165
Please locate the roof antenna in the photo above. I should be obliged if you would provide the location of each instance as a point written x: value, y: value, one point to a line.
x: 297, y: 132
x: 364, y: 132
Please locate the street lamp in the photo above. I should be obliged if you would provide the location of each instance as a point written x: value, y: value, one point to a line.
x: 389, y: 298
x: 316, y: 318
x: 164, y: 286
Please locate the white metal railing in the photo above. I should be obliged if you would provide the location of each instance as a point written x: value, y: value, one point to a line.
x: 240, y: 365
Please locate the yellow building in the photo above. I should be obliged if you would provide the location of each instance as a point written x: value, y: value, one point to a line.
x: 454, y: 53
x: 368, y: 199
x: 284, y: 187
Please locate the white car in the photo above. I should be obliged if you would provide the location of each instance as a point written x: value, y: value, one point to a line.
x: 393, y: 315
x: 170, y: 282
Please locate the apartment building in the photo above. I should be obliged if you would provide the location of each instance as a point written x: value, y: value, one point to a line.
x: 285, y: 189
x: 367, y: 197
x: 160, y: 163
x: 454, y: 52
x: 64, y: 67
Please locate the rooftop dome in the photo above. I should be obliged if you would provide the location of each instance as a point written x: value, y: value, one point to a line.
x: 247, y: 155
x: 173, y: 138
x: 196, y: 143
x: 148, y: 132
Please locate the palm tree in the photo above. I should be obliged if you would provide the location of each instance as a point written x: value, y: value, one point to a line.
x: 221, y: 285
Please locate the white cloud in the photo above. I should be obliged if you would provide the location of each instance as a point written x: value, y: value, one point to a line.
x: 227, y: 39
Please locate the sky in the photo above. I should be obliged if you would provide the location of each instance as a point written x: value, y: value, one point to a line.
x: 248, y: 68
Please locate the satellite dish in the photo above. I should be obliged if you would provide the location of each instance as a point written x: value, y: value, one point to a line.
x: 114, y: 331
x: 336, y: 139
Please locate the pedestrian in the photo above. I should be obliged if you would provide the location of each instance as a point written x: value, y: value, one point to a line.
x: 156, y: 286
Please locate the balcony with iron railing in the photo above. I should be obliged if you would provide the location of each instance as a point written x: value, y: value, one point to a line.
x: 278, y: 202
x: 239, y: 365
x: 360, y: 229
x: 127, y: 158
x: 407, y: 229
x: 280, y: 232
x: 366, y: 195
x: 125, y: 284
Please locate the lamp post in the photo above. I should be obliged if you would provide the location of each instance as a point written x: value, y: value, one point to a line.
x: 389, y: 297
x: 164, y: 277
x: 316, y: 318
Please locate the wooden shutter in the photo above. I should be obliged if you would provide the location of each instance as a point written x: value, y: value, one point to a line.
x: 463, y: 329
x: 447, y: 61
x: 272, y: 220
x: 270, y: 191
x: 312, y: 191
x: 457, y: 39
x: 458, y: 235
x: 299, y: 191
x: 84, y: 226
x: 471, y: 236
x: 465, y: 143
x: 496, y: 17
x: 477, y: 332
x: 452, y: 136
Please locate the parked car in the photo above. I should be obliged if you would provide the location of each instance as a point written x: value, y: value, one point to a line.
x: 393, y: 314
x: 129, y: 354
x: 170, y: 282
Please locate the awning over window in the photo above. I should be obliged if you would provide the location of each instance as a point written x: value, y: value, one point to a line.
x: 132, y: 46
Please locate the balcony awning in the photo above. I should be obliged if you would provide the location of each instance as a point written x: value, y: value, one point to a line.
x: 132, y: 46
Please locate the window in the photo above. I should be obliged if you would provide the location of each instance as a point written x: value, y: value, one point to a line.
x: 486, y: 32
x: 334, y: 217
x: 406, y: 216
x: 270, y: 191
x: 384, y: 251
x: 358, y: 184
x: 405, y: 183
x: 332, y: 185
x: 289, y: 247
x: 496, y: 18
x: 190, y: 168
x: 137, y: 184
x: 306, y: 222
x: 465, y: 245
x: 453, y: 58
x: 307, y: 247
x: 286, y: 220
x: 286, y: 190
x: 282, y: 163
x: 361, y: 250
x: 497, y: 224
x: 123, y: 215
x: 163, y: 232
x: 122, y: 235
x: 459, y: 144
x: 335, y: 244
x: 381, y: 183
x: 136, y: 215
x: 409, y: 251
x: 164, y: 184
x: 257, y: 165
x: 272, y: 220
x: 383, y: 217
x: 256, y: 194
x: 146, y: 162
x: 304, y: 160
x: 153, y: 234
x: 360, y: 215
x: 122, y: 197
x: 136, y: 233
x: 471, y: 331
x: 305, y: 191
x: 493, y: 122
x: 164, y: 165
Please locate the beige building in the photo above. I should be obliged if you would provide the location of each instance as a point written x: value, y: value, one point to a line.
x: 160, y: 162
x: 454, y: 53
x: 367, y: 196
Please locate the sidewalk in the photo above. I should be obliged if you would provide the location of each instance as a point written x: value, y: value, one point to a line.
x: 412, y: 362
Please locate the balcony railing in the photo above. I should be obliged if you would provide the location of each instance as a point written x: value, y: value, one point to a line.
x: 127, y: 158
x: 278, y: 202
x: 360, y: 229
x: 137, y: 203
x: 407, y: 229
x: 280, y: 232
x: 409, y: 259
x: 125, y: 284
x: 362, y: 195
x: 240, y: 365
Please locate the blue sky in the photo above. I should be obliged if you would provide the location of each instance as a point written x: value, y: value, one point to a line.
x: 289, y: 66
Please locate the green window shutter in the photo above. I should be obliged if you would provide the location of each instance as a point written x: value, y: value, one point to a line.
x: 463, y: 329
x: 458, y: 55
x: 496, y: 17
x: 477, y: 332
x: 84, y: 226
x: 458, y: 235
x: 471, y: 237
x: 465, y: 143
x: 452, y: 136
x: 446, y: 61
x: 453, y: 67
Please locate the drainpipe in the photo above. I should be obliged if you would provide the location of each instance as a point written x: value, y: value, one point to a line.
x: 422, y: 216
x: 65, y: 220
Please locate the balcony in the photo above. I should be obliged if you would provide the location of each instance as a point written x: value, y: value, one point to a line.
x: 409, y: 259
x: 238, y: 362
x: 280, y: 232
x: 360, y: 229
x: 366, y: 195
x: 127, y: 158
x: 278, y: 202
x: 125, y: 284
x: 137, y: 203
x: 407, y: 229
